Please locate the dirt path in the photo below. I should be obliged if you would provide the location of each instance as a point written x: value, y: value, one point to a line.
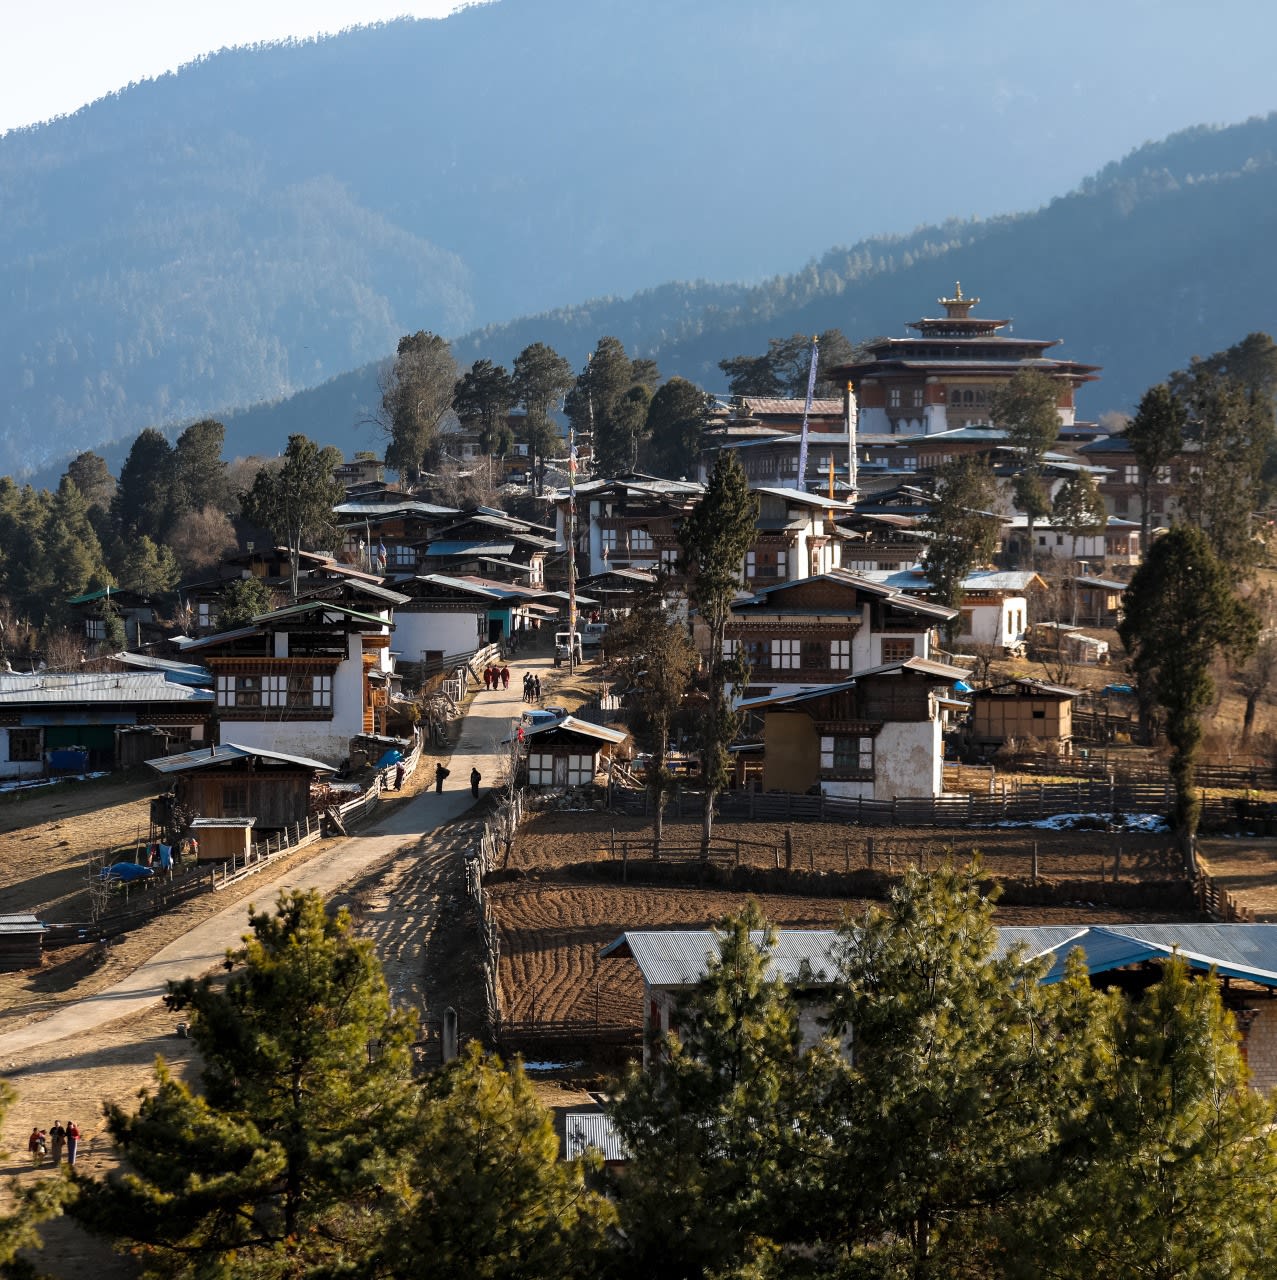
x: 69, y: 1045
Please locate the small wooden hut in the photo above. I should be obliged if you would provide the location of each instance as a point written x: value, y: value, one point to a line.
x: 21, y: 942
x: 231, y: 781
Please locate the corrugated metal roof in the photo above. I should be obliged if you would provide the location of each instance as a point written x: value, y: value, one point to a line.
x: 674, y: 958
x: 322, y: 606
x: 573, y: 725
x: 205, y: 757
x: 585, y: 1129
x: 113, y: 687
x: 20, y: 924
x: 680, y: 957
x: 468, y: 547
x: 180, y: 672
x: 410, y: 507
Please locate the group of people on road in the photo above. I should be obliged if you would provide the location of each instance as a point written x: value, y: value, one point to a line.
x: 531, y: 687
x: 442, y: 772
x: 60, y: 1136
x: 495, y: 677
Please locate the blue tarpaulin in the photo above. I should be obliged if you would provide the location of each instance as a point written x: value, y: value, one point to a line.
x: 127, y: 871
x: 961, y: 686
x: 391, y: 757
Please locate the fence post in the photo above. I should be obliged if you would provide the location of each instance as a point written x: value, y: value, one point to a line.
x: 869, y: 852
x: 1035, y: 862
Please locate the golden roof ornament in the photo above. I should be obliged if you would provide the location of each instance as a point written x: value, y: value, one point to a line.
x: 957, y: 307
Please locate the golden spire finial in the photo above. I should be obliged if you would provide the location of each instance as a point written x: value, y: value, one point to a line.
x: 959, y: 306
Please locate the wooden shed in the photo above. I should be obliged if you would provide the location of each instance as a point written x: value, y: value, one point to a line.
x: 1023, y: 710
x: 566, y: 752
x: 221, y: 839
x: 231, y: 781
x: 21, y: 942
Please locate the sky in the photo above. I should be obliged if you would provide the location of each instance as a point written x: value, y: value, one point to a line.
x: 58, y: 55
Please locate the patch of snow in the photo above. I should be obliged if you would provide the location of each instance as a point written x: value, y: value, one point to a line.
x: 1152, y: 823
x: 24, y: 785
x: 551, y: 1066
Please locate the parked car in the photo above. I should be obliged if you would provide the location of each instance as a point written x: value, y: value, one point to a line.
x: 544, y: 715
x: 561, y: 651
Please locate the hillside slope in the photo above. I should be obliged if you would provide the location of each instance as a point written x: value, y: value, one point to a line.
x: 269, y: 217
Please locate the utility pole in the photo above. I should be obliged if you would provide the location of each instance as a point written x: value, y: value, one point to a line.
x: 572, y: 531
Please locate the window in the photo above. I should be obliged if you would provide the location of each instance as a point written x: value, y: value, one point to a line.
x: 751, y: 564
x: 840, y: 655
x: 893, y: 397
x: 540, y: 770
x: 917, y: 397
x: 669, y: 559
x: 847, y: 755
x: 580, y: 770
x: 814, y: 654
x: 95, y: 628
x: 729, y: 648
x: 1059, y: 539
x: 754, y: 651
x: 640, y: 540
x: 24, y: 745
x: 206, y: 614
x: 235, y: 800
x: 608, y: 539
x: 897, y: 650
x: 297, y: 692
x: 1162, y: 475
x: 1130, y: 474
x: 785, y: 654
x: 968, y: 622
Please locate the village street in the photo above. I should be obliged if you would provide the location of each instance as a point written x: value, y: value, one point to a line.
x: 490, y: 718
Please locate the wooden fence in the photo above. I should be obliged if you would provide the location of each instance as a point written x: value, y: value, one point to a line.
x: 308, y: 831
x: 1023, y: 804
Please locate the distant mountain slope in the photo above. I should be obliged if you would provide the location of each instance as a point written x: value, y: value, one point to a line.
x: 267, y: 218
x: 1161, y: 256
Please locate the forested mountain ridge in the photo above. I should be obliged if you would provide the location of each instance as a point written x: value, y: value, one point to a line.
x: 1162, y: 255
x: 268, y: 217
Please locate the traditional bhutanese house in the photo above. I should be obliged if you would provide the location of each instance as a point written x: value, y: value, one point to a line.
x: 797, y: 536
x: 568, y: 752
x: 1121, y: 486
x: 395, y: 524
x: 21, y: 943
x: 823, y: 629
x: 616, y: 590
x: 1242, y: 958
x: 1022, y: 710
x: 44, y: 713
x: 136, y: 612
x: 491, y: 544
x: 1099, y: 601
x: 877, y: 736
x: 628, y: 522
x: 1118, y: 543
x: 237, y: 782
x: 885, y: 529
x: 995, y: 602
x: 304, y: 679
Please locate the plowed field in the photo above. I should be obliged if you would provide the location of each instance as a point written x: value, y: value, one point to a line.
x: 550, y: 841
x: 551, y: 936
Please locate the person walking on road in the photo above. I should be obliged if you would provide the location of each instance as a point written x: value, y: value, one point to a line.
x: 440, y: 774
x: 399, y: 775
x: 57, y: 1137
x: 475, y: 778
x: 36, y: 1146
x: 536, y: 690
x: 505, y: 677
x: 487, y: 679
x: 73, y: 1142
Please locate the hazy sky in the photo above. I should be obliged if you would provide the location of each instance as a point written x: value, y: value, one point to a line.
x: 56, y: 55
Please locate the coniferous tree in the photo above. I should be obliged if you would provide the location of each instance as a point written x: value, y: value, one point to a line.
x: 300, y: 1136
x: 72, y: 560
x: 624, y: 437
x: 482, y: 399
x: 965, y: 1067
x: 1156, y: 437
x: 199, y: 470
x: 416, y: 394
x: 149, y: 568
x: 487, y: 1195
x: 1026, y: 408
x: 714, y: 1126
x: 295, y: 501
x: 660, y: 660
x: 675, y: 422
x: 962, y: 530
x: 714, y: 540
x: 242, y: 599
x: 541, y: 377
x: 1179, y: 611
x: 1168, y: 1171
x: 144, y: 501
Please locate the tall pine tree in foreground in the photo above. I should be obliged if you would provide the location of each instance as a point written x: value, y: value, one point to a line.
x: 299, y: 1138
